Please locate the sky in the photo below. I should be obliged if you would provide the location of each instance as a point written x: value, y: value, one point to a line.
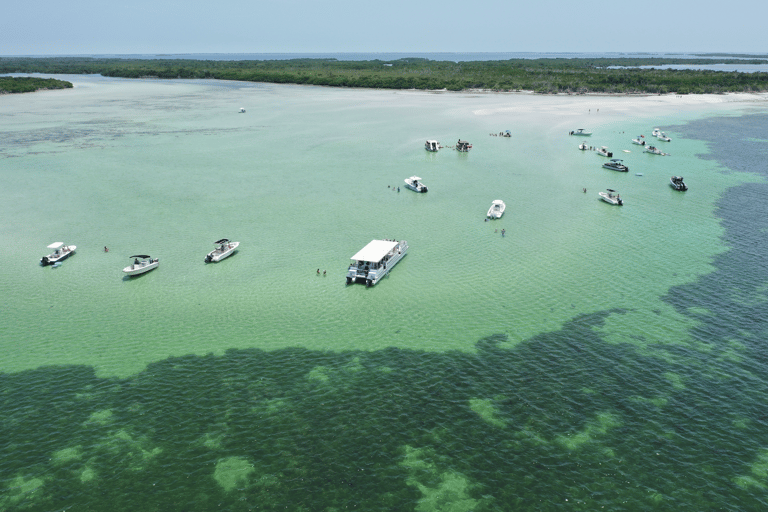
x: 55, y: 27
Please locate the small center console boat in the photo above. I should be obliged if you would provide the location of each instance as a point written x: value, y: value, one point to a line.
x: 59, y: 254
x: 224, y: 248
x: 612, y: 197
x: 497, y: 209
x: 415, y: 184
x: 676, y: 182
x: 141, y: 264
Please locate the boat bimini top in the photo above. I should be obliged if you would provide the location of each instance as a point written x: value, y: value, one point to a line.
x: 222, y: 241
x: 375, y: 251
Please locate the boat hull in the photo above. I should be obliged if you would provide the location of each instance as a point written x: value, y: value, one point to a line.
x: 135, y: 270
x: 611, y: 199
x: 618, y: 169
x: 217, y: 255
x: 53, y: 258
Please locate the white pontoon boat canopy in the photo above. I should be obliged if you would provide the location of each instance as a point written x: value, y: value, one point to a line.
x: 374, y: 251
x: 55, y: 245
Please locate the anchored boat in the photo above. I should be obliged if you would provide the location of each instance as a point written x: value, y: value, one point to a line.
x: 414, y: 183
x: 141, y: 264
x: 463, y: 146
x: 580, y: 131
x: 612, y: 197
x: 603, y: 151
x: 677, y: 183
x: 497, y: 209
x: 224, y: 248
x: 616, y: 164
x: 432, y: 145
x: 375, y: 260
x: 59, y: 254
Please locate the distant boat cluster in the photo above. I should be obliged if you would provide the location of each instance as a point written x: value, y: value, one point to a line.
x: 142, y: 263
x: 617, y: 164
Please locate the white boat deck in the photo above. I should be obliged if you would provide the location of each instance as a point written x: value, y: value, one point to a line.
x: 375, y: 260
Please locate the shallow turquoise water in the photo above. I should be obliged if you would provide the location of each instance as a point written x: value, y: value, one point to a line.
x: 581, y: 357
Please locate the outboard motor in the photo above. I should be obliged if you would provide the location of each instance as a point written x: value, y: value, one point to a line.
x: 208, y: 258
x: 44, y: 261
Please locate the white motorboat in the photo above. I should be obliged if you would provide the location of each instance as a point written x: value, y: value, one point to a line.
x: 603, y: 151
x: 224, y: 248
x: 141, y: 264
x: 640, y: 140
x: 414, y: 183
x: 497, y: 209
x: 616, y: 165
x: 655, y: 132
x: 506, y: 133
x: 242, y: 110
x: 463, y: 146
x: 676, y: 182
x: 663, y: 136
x: 584, y: 146
x: 432, y: 145
x: 580, y: 131
x: 375, y: 260
x: 59, y: 254
x: 612, y: 197
x: 653, y: 150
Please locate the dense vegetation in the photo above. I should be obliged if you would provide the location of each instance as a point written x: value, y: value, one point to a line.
x: 27, y: 84
x: 604, y: 75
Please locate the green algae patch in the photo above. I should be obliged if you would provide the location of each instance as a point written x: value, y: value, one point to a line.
x: 135, y: 453
x: 354, y: 365
x: 593, y: 429
x: 103, y: 417
x: 450, y: 495
x: 486, y: 410
x: 19, y: 489
x: 319, y: 374
x: 276, y: 405
x: 67, y: 455
x: 440, y: 491
x: 658, y: 401
x: 88, y: 474
x: 759, y: 476
x: 232, y: 472
x: 212, y: 441
x: 675, y: 379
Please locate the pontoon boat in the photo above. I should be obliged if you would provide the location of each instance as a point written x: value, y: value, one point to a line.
x: 616, y: 165
x: 375, y: 260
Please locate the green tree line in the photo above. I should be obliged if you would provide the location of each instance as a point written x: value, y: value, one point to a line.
x: 603, y: 75
x: 10, y: 84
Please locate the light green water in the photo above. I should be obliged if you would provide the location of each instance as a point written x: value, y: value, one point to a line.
x: 301, y: 180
